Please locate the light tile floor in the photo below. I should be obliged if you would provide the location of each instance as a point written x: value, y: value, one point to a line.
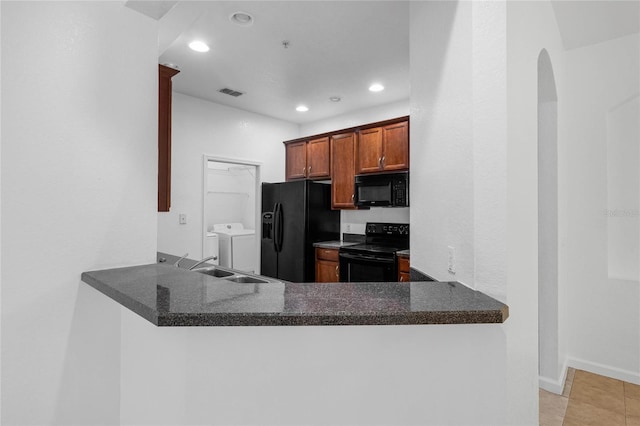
x: 591, y: 400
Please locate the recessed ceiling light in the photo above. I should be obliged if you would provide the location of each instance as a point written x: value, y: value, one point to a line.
x: 335, y: 99
x: 376, y: 87
x: 302, y: 108
x: 241, y: 18
x: 199, y: 46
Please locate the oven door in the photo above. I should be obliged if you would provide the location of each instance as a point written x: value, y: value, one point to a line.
x: 367, y: 268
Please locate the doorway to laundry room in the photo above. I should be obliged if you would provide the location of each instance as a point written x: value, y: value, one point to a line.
x: 230, y: 209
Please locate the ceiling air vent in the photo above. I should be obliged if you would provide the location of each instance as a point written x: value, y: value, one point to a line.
x: 230, y: 92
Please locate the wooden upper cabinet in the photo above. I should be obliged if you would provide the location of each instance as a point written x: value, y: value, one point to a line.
x: 164, y: 136
x: 296, y: 159
x: 318, y: 160
x: 369, y: 151
x: 395, y: 147
x: 382, y: 149
x: 308, y: 159
x: 342, y: 170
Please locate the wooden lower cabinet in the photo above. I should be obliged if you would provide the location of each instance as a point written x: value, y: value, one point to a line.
x: 327, y: 265
x: 404, y: 274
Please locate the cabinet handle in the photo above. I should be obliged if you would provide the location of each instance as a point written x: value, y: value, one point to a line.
x: 309, y: 170
x: 383, y: 161
x: 304, y: 171
x: 379, y: 162
x: 353, y: 196
x: 337, y: 272
x: 401, y: 278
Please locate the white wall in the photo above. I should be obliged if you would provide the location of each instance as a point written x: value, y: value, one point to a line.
x: 201, y: 127
x: 347, y: 375
x: 442, y: 198
x: 79, y: 177
x: 459, y: 157
x: 531, y: 27
x: 458, y: 144
x: 354, y: 221
x: 356, y: 118
x: 601, y: 293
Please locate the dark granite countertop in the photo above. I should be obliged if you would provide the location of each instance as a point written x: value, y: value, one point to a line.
x: 170, y: 296
x: 333, y: 244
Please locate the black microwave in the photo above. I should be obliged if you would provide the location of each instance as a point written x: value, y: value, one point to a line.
x: 382, y: 190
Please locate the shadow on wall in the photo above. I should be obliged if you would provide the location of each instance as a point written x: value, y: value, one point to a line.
x: 548, y: 361
x: 89, y: 391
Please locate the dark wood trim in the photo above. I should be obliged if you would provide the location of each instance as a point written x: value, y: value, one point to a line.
x: 164, y: 136
x: 351, y: 129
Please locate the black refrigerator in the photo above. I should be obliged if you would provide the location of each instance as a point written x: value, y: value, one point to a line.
x: 295, y: 215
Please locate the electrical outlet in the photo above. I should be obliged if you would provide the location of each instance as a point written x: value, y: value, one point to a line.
x: 451, y: 264
x: 182, y: 218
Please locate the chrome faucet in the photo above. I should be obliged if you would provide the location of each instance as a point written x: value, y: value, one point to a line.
x: 177, y: 264
x: 206, y: 259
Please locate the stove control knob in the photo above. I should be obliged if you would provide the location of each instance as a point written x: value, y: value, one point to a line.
x: 403, y: 230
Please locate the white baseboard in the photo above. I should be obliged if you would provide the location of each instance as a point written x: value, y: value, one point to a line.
x: 605, y: 370
x: 554, y: 385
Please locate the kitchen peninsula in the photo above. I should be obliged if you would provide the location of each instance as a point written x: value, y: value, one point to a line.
x: 167, y: 295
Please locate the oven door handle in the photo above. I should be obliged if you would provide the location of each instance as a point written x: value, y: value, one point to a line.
x: 366, y: 257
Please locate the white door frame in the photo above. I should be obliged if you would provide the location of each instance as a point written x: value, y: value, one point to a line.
x: 258, y: 198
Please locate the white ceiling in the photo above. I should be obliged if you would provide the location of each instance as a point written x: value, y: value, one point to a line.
x: 336, y: 48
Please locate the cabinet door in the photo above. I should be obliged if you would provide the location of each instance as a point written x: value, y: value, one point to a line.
x: 395, y: 147
x: 327, y: 272
x: 318, y: 158
x: 342, y: 170
x: 369, y: 151
x: 296, y: 159
x: 404, y: 273
x: 327, y: 265
x: 164, y: 136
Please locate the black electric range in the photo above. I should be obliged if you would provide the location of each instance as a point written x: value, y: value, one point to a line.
x: 375, y: 260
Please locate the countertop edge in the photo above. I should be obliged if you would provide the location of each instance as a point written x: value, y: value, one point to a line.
x: 121, y: 298
x: 494, y: 312
x: 302, y: 319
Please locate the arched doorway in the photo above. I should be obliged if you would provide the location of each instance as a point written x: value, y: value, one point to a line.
x: 548, y: 365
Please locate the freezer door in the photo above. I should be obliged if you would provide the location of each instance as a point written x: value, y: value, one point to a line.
x: 268, y: 254
x: 292, y: 212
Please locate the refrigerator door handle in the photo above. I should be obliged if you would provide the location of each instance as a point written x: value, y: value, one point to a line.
x: 280, y: 231
x: 276, y: 223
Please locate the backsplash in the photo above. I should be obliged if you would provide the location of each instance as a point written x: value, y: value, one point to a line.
x: 354, y: 221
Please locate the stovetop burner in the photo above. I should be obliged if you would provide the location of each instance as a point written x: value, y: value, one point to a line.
x: 382, y: 239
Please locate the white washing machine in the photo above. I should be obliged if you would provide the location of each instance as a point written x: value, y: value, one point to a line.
x: 211, y: 248
x: 237, y: 246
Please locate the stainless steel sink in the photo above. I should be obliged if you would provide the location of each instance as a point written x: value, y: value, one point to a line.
x: 215, y: 271
x: 233, y: 275
x: 245, y: 279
